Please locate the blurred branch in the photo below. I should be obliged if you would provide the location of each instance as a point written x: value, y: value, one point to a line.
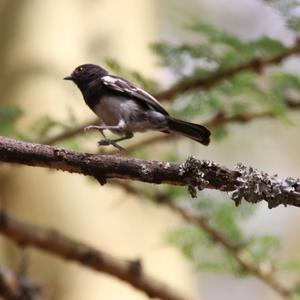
x: 255, y: 64
x: 239, y: 252
x: 69, y: 133
x: 246, y: 183
x: 54, y: 242
x: 15, y: 287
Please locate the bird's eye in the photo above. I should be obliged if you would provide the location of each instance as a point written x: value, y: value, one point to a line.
x: 80, y: 69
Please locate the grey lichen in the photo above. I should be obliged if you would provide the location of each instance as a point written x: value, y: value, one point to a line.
x: 60, y: 152
x: 193, y: 171
x: 255, y: 186
x: 167, y: 165
x: 145, y: 170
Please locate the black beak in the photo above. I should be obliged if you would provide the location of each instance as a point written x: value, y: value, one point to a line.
x: 68, y: 78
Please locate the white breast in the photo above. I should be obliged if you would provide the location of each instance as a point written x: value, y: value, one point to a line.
x: 109, y: 110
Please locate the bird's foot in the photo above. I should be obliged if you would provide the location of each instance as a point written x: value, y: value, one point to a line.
x: 107, y: 142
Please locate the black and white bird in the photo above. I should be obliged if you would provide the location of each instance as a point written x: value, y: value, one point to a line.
x: 125, y: 109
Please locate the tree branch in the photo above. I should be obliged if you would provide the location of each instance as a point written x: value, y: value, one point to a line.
x: 247, y: 183
x: 103, y: 167
x: 255, y: 64
x: 53, y: 242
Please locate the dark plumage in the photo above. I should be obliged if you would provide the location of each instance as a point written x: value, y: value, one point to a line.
x: 125, y: 109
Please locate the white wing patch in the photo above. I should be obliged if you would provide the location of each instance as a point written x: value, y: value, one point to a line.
x: 111, y: 82
x: 124, y: 86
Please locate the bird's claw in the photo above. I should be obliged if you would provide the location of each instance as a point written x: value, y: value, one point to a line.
x: 107, y: 142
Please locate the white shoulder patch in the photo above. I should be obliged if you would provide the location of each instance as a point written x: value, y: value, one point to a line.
x: 109, y: 80
x: 112, y: 83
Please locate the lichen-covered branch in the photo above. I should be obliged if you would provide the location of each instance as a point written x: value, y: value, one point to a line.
x: 103, y: 167
x: 247, y: 183
x: 56, y: 243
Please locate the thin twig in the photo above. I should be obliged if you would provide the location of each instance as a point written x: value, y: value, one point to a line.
x: 56, y: 243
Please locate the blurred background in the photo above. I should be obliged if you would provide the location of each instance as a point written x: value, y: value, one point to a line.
x: 154, y: 44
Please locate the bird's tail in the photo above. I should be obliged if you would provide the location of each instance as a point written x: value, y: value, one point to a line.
x: 193, y: 131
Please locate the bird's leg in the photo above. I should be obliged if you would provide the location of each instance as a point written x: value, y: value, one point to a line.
x: 101, y: 128
x: 107, y: 141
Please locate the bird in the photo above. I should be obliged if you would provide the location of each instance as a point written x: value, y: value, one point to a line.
x: 125, y: 109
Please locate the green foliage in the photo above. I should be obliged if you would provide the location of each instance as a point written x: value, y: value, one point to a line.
x: 216, y: 36
x: 39, y: 130
x: 176, y: 193
x: 197, y: 244
x: 290, y: 265
x: 296, y: 292
x: 261, y: 247
x: 44, y: 125
x: 9, y: 116
x: 267, y: 47
x: 190, y: 239
x: 288, y: 9
x: 220, y: 134
x: 216, y: 51
x: 74, y: 144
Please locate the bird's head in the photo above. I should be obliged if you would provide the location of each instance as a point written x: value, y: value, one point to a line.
x: 86, y: 73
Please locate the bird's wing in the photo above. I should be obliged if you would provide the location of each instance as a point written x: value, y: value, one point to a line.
x: 121, y: 85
